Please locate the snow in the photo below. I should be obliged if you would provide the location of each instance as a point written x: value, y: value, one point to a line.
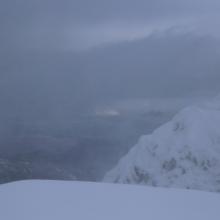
x: 183, y: 153
x: 56, y: 200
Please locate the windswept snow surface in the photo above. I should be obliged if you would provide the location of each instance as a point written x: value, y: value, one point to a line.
x: 57, y: 200
x: 184, y: 153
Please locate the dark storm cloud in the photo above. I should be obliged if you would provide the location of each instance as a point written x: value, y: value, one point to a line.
x: 159, y: 66
x: 166, y: 65
x: 155, y: 49
x: 50, y: 23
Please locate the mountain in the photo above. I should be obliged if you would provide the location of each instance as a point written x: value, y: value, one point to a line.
x: 56, y: 200
x: 84, y: 148
x: 183, y: 153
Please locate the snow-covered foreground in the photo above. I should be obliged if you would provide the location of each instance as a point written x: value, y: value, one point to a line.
x: 57, y: 200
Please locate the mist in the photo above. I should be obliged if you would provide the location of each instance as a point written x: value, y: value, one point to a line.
x: 73, y: 72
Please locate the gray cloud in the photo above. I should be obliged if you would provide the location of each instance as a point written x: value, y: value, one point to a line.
x: 159, y: 66
x: 134, y: 50
x: 47, y: 23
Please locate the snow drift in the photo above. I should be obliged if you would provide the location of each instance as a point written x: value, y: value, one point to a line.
x: 183, y: 153
x: 56, y: 200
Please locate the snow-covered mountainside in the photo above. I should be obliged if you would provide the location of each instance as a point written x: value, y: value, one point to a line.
x: 57, y: 200
x: 183, y: 153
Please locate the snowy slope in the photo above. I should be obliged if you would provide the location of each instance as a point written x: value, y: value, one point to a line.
x: 183, y: 153
x: 53, y: 200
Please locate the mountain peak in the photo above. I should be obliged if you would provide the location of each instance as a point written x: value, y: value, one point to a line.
x: 184, y: 153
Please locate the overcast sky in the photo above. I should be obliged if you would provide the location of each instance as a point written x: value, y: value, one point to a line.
x: 69, y: 55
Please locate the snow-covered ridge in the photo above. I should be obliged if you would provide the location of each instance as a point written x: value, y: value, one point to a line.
x: 183, y: 153
x: 58, y: 200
